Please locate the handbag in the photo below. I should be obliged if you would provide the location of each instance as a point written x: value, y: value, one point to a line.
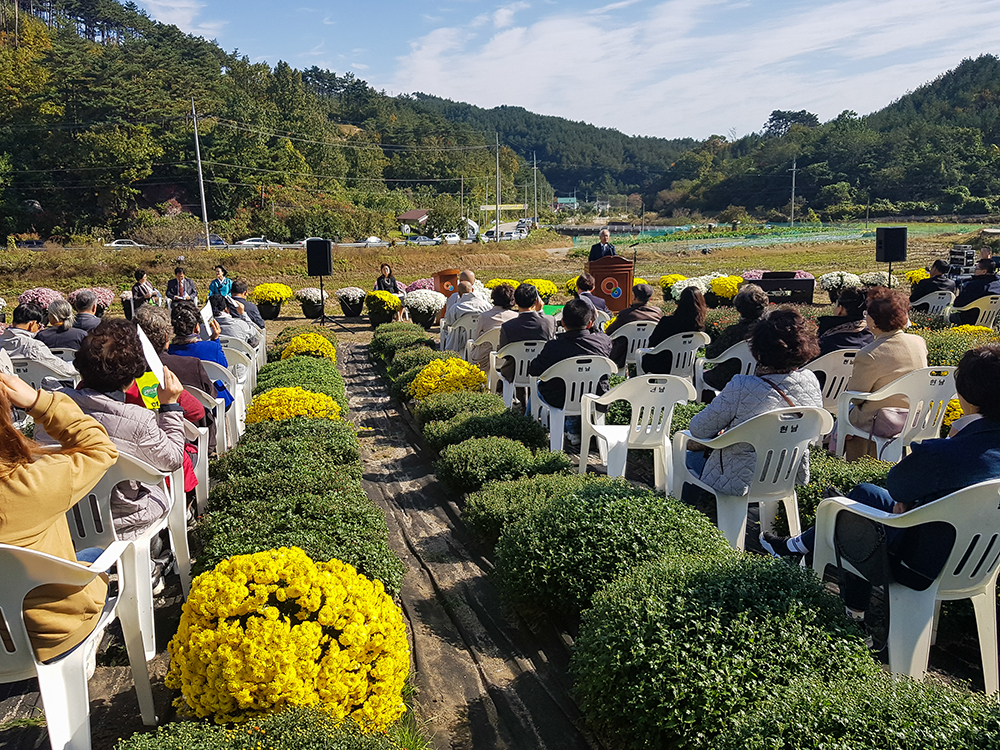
x: 888, y: 424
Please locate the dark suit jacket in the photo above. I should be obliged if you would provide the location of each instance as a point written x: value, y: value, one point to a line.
x: 595, y: 301
x: 976, y: 287
x: 189, y: 289
x: 668, y: 326
x: 527, y: 326
x: 86, y: 321
x: 929, y: 286
x: 250, y: 310
x: 836, y: 333
x: 562, y: 347
x: 597, y: 253
x: 634, y: 313
x: 56, y: 339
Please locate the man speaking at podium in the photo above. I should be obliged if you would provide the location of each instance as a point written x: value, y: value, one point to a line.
x: 604, y: 248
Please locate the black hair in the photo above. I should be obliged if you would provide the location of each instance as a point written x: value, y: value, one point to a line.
x: 179, y: 269
x: 239, y: 287
x: 139, y: 273
x: 577, y: 314
x: 782, y: 340
x: 218, y: 303
x: 941, y: 266
x: 853, y: 299
x: 525, y: 295
x: 184, y: 316
x: 503, y: 296
x: 986, y: 264
x: 110, y: 357
x: 691, y: 309
x: 222, y: 268
x: 977, y: 377
x: 585, y: 282
x: 28, y: 312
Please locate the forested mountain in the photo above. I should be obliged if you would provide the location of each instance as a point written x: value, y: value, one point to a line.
x: 933, y: 151
x: 573, y: 155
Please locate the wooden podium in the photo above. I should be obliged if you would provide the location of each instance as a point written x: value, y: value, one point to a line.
x: 612, y: 281
x: 446, y: 281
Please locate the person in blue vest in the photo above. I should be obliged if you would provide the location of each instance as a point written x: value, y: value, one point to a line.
x: 603, y: 248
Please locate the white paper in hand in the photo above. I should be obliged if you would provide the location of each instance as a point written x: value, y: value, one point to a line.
x: 152, y: 358
x: 206, y: 315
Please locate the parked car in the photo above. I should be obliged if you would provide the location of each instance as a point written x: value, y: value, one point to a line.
x: 426, y: 240
x: 30, y: 244
x: 214, y: 240
x: 124, y: 243
x: 258, y: 242
x: 375, y: 242
x: 519, y: 234
x: 450, y: 238
x: 490, y: 235
x: 506, y: 236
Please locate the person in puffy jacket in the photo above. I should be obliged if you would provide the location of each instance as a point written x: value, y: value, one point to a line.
x: 109, y: 360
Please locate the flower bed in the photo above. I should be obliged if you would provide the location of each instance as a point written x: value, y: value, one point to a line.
x: 382, y: 303
x: 494, y: 283
x: 310, y: 345
x: 285, y: 403
x: 271, y: 294
x: 420, y: 284
x: 311, y: 295
x: 425, y: 301
x: 446, y: 376
x: 545, y: 287
x: 279, y: 342
x: 321, y: 375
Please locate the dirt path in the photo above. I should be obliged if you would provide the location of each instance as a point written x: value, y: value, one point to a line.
x: 485, y: 679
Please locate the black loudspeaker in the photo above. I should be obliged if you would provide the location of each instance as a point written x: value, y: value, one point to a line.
x: 890, y: 244
x: 319, y: 257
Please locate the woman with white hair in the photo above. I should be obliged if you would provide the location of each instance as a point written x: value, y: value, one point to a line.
x: 60, y: 333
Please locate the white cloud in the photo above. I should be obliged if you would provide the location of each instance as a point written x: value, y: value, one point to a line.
x: 359, y: 66
x: 182, y: 14
x: 696, y: 67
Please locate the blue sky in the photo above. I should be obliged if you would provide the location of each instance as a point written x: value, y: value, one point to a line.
x: 670, y: 68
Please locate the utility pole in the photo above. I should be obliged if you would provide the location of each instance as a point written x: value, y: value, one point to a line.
x: 793, y: 170
x: 534, y: 169
x: 461, y: 200
x: 201, y: 181
x: 496, y: 232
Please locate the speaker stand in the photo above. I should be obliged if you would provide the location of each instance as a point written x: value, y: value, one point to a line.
x: 322, y: 301
x: 888, y: 281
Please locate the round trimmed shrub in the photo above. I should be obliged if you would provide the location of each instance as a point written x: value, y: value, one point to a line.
x: 500, y: 504
x: 386, y: 344
x: 284, y: 337
x: 506, y: 423
x: 467, y: 466
x: 557, y: 557
x: 304, y: 476
x: 825, y: 471
x: 669, y: 655
x: 883, y: 711
x: 443, y: 406
x: 310, y: 345
x: 416, y: 356
x: 321, y: 375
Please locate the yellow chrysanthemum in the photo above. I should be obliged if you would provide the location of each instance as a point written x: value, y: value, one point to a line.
x: 638, y: 280
x: 447, y: 376
x: 273, y: 294
x: 382, y: 303
x: 953, y: 412
x: 494, y: 283
x: 285, y: 403
x: 570, y: 285
x: 264, y: 632
x: 975, y: 330
x: 669, y: 280
x: 917, y: 274
x: 545, y: 287
x: 310, y: 345
x: 725, y: 287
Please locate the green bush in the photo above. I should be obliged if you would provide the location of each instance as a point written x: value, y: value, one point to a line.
x: 467, y: 466
x: 500, y: 504
x: 557, y: 557
x: 284, y: 336
x: 400, y: 387
x: 928, y: 321
x: 669, y: 655
x: 341, y: 524
x: 620, y: 412
x: 399, y: 325
x: 385, y: 344
x: 947, y: 347
x: 443, y: 406
x: 317, y: 375
x: 414, y: 357
x: 326, y: 442
x: 882, y: 711
x: 293, y: 729
x: 305, y: 478
x: 501, y: 424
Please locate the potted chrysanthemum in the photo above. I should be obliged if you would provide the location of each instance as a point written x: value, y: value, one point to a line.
x: 269, y: 298
x: 351, y: 299
x: 313, y: 301
x: 382, y: 307
x: 424, y: 305
x: 834, y: 282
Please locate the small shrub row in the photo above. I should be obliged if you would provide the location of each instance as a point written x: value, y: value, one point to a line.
x: 318, y: 375
x: 469, y: 465
x: 506, y: 423
x: 385, y: 344
x: 285, y: 336
x: 445, y: 406
x: 423, y: 356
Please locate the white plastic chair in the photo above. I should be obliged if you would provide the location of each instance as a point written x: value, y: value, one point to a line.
x: 199, y: 436
x: 927, y: 391
x: 937, y: 302
x: 236, y: 413
x: 969, y: 573
x: 580, y: 375
x: 780, y: 440
x: 62, y: 681
x: 66, y: 355
x: 601, y: 319
x: 91, y: 525
x: 243, y: 367
x: 637, y: 335
x: 239, y: 345
x: 740, y: 351
x: 491, y: 337
x: 33, y: 372
x: 522, y: 352
x: 988, y: 307
x: 652, y: 398
x: 683, y: 348
x: 460, y: 332
x: 837, y: 367
x: 223, y: 441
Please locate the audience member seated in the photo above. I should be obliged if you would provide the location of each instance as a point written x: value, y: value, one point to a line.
x: 688, y: 317
x: 221, y: 284
x: 181, y: 287
x: 250, y: 311
x: 581, y: 339
x: 37, y: 488
x: 585, y: 288
x: 781, y: 341
x: 236, y: 328
x: 19, y: 341
x: 496, y: 316
x: 386, y: 282
x: 468, y: 302
x: 453, y: 298
x: 938, y: 282
x: 640, y: 311
x: 142, y: 290
x: 110, y: 360
x: 85, y: 305
x: 891, y: 355
x: 60, y: 333
x: 932, y: 469
x: 529, y: 325
x: 982, y: 284
x: 847, y: 327
x: 186, y: 320
x: 750, y: 302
